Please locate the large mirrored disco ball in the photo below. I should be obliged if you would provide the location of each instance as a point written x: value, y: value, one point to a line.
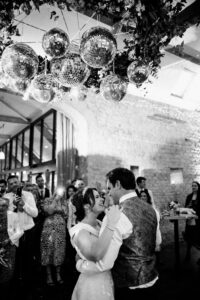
x: 138, y: 73
x: 20, y: 61
x: 98, y: 47
x: 113, y: 87
x: 42, y: 88
x: 55, y: 42
x: 69, y: 70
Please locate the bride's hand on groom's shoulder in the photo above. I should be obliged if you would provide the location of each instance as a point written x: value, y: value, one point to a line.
x: 113, y: 215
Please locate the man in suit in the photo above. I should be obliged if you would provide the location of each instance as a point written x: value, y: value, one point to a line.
x: 131, y: 253
x: 43, y: 191
x: 141, y: 186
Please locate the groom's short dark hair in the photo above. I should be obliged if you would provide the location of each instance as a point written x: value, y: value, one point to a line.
x: 124, y: 176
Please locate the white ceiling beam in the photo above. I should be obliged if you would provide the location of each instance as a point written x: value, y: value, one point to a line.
x: 14, y: 109
x: 9, y: 119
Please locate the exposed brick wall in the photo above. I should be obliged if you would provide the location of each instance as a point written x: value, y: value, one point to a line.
x: 144, y: 133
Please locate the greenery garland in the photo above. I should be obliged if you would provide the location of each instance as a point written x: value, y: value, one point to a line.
x: 150, y: 25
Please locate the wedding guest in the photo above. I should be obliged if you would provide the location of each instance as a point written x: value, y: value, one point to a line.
x: 3, y: 187
x: 141, y: 186
x: 10, y: 233
x: 23, y: 203
x: 71, y: 220
x: 192, y: 229
x: 53, y: 239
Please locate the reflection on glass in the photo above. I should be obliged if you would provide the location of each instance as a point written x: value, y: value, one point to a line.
x: 13, y: 157
x: 36, y: 142
x: 47, y: 138
x: 26, y: 148
x: 4, y: 160
x: 19, y: 151
x: 8, y: 156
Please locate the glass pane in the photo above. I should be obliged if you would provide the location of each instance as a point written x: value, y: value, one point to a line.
x: 26, y: 148
x: 4, y: 160
x: 13, y: 157
x: 8, y: 156
x: 36, y: 142
x: 47, y: 138
x: 19, y: 151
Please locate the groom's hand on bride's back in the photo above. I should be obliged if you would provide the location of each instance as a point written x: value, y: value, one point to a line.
x: 113, y: 215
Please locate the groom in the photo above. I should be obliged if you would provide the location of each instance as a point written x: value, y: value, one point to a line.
x: 131, y: 253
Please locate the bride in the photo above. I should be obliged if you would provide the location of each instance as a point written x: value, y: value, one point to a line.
x: 92, y: 247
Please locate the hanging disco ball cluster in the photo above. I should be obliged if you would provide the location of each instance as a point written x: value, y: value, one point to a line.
x: 69, y: 68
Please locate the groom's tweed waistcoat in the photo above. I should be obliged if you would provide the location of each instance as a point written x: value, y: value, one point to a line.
x: 135, y: 264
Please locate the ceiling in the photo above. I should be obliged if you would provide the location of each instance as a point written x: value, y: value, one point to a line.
x: 16, y: 114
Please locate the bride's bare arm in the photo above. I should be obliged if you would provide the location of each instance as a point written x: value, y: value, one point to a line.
x: 94, y: 248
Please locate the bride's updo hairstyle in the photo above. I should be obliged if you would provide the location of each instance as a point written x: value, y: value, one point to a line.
x: 80, y: 199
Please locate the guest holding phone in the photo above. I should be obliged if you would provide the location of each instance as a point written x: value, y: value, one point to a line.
x: 23, y: 203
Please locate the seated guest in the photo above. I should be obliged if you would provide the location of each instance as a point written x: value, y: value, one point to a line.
x: 10, y: 233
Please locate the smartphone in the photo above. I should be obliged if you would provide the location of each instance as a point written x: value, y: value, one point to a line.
x: 19, y: 191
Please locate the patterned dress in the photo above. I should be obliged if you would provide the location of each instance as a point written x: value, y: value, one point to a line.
x: 6, y: 273
x: 53, y: 237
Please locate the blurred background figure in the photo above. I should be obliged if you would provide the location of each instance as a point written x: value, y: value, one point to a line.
x: 79, y: 184
x: 43, y: 191
x: 192, y: 228
x: 3, y: 187
x: 141, y: 186
x: 71, y: 190
x: 10, y: 233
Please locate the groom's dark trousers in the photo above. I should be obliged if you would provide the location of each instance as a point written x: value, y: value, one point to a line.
x: 150, y: 293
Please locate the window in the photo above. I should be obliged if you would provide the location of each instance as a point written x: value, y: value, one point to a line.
x: 19, y: 151
x: 47, y: 142
x: 13, y: 156
x: 176, y: 176
x: 36, y: 142
x: 26, y: 148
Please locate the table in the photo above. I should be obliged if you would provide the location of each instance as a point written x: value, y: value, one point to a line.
x: 175, y: 219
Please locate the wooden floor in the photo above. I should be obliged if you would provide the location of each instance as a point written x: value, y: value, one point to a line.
x: 173, y: 284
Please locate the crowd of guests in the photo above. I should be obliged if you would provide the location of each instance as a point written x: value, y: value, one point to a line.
x: 112, y: 236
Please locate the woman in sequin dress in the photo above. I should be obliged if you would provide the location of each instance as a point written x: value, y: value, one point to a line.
x: 53, y: 238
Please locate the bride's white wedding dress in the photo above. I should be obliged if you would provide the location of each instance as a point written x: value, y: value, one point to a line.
x: 93, y: 285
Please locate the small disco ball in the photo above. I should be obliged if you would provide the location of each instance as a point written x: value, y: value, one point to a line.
x: 69, y: 70
x: 98, y: 47
x: 21, y: 85
x: 55, y: 42
x: 42, y: 88
x: 20, y: 61
x: 137, y: 73
x: 113, y: 87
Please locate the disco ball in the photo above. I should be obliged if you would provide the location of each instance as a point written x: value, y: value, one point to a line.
x: 113, y: 87
x: 42, y: 88
x: 137, y: 73
x: 69, y: 70
x: 98, y: 47
x: 55, y: 42
x: 20, y: 61
x: 21, y: 85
